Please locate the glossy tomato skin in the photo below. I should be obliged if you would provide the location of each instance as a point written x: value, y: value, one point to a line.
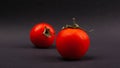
x: 38, y: 38
x: 72, y: 43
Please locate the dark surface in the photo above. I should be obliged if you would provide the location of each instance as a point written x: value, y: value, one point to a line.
x: 18, y: 17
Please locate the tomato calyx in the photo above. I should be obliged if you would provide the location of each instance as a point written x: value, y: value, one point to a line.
x: 46, y: 32
x: 74, y: 26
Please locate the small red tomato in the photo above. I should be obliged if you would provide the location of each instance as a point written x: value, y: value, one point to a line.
x: 72, y: 42
x: 42, y: 35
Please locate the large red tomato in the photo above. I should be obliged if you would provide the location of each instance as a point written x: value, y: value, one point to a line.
x: 72, y: 42
x: 42, y: 35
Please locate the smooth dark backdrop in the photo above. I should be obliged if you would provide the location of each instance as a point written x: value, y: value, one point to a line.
x: 18, y: 17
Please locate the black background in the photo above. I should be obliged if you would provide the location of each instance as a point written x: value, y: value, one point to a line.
x: 18, y: 17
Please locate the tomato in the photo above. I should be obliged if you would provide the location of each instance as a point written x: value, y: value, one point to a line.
x: 42, y: 35
x: 72, y: 42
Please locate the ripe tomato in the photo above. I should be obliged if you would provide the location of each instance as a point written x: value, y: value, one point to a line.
x: 42, y: 35
x: 72, y: 43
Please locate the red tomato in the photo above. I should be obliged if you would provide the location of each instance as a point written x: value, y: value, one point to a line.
x: 72, y: 43
x: 42, y: 35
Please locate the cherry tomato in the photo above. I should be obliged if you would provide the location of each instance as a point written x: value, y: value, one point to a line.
x: 42, y: 35
x: 72, y: 42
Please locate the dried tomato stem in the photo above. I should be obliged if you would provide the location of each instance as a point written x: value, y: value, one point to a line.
x: 75, y: 25
x: 74, y: 20
x: 46, y: 32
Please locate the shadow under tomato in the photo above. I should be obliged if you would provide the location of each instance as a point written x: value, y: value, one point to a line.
x: 31, y: 46
x: 51, y: 47
x: 85, y: 58
x: 58, y: 58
